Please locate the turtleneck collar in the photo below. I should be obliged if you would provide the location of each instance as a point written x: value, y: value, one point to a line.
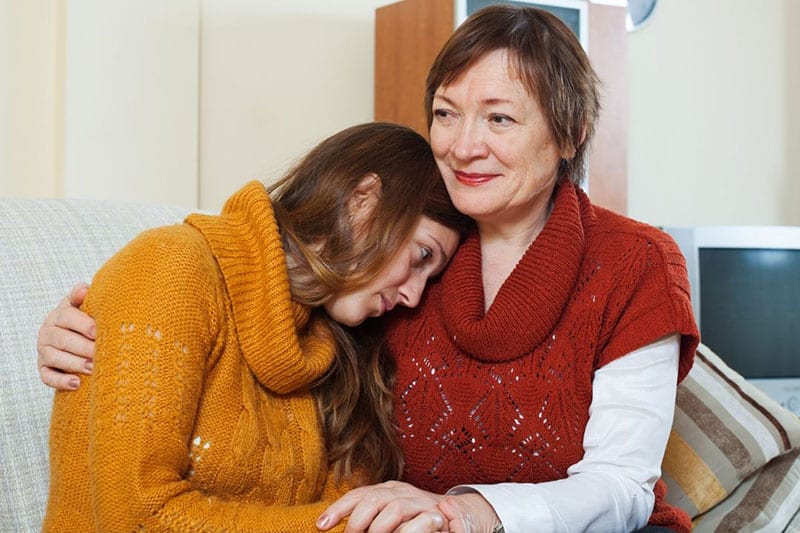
x: 531, y: 299
x: 281, y: 348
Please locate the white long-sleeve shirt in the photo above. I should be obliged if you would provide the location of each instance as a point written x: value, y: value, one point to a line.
x: 611, y: 488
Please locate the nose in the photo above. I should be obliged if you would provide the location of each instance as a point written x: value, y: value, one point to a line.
x: 468, y: 142
x: 411, y: 291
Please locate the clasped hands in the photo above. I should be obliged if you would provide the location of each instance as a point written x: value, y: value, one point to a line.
x: 398, y: 507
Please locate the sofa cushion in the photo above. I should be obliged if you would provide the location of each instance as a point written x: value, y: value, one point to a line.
x: 768, y: 500
x: 46, y: 246
x: 725, y: 430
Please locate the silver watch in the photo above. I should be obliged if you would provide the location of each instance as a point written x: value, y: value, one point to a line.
x: 499, y: 529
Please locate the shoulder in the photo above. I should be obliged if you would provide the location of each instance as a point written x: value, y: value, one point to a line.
x: 633, y: 245
x: 611, y: 225
x: 648, y: 291
x: 177, y: 248
x: 170, y: 267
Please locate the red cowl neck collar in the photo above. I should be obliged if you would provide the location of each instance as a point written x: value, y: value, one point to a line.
x: 531, y: 299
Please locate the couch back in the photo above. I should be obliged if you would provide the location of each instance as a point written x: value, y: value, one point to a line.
x: 46, y: 246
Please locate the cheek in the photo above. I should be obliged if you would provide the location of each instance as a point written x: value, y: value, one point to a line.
x: 345, y: 309
x: 440, y: 142
x: 537, y: 158
x: 394, y: 274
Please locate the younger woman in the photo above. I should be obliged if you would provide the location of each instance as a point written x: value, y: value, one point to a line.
x: 229, y: 390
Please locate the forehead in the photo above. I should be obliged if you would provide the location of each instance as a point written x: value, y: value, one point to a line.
x: 497, y: 69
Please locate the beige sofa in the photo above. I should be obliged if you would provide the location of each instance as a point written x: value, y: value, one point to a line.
x: 732, y: 461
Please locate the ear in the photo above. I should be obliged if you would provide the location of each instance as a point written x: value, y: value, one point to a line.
x: 569, y: 153
x: 364, y: 198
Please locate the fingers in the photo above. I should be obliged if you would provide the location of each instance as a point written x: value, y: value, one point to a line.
x: 468, y: 513
x: 427, y: 522
x: 66, y: 315
x: 65, y: 361
x: 452, y: 514
x: 384, y: 507
x: 55, y: 343
x: 58, y: 369
x: 379, y: 511
x: 59, y: 380
x: 370, y: 497
x: 339, y: 509
x: 78, y: 294
x: 65, y: 343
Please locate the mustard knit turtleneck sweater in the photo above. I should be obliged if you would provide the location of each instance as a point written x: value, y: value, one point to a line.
x: 198, y: 415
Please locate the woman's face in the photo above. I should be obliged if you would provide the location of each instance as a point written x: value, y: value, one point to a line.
x: 402, y: 280
x: 494, y: 145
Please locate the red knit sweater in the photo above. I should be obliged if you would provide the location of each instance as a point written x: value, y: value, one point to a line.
x: 504, y: 395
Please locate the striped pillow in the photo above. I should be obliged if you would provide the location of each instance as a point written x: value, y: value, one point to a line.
x: 769, y: 500
x: 725, y: 429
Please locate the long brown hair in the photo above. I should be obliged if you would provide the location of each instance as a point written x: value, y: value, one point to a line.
x: 550, y: 62
x: 325, y: 257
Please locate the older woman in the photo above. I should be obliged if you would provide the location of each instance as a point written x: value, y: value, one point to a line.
x: 536, y: 381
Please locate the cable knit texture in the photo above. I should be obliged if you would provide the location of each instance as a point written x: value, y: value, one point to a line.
x: 198, y: 415
x: 592, y: 287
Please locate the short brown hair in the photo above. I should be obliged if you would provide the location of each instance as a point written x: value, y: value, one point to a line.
x: 550, y: 62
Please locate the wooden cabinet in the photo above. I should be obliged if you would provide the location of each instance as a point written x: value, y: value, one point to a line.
x: 409, y: 34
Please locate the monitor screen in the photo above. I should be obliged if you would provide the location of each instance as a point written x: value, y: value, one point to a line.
x: 750, y: 308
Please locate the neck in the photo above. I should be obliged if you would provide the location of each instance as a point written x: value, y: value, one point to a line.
x: 503, y: 245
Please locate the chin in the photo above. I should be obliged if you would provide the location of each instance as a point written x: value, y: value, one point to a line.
x: 350, y: 321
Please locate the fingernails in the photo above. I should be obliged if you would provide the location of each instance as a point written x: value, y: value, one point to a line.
x: 323, y: 521
x: 74, y: 383
x: 88, y: 366
x: 92, y: 332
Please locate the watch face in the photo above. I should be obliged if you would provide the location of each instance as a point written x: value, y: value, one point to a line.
x: 638, y: 12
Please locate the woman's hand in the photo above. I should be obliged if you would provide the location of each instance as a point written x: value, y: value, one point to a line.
x: 468, y: 513
x: 66, y: 342
x: 392, y: 506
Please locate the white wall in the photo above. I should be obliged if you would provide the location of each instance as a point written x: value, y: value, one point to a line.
x: 30, y: 102
x: 131, y: 100
x: 277, y: 77
x: 713, y: 133
x: 715, y: 111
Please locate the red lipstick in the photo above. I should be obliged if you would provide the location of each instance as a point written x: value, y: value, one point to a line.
x: 474, y: 179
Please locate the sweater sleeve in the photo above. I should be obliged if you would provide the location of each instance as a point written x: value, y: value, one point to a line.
x: 158, y: 304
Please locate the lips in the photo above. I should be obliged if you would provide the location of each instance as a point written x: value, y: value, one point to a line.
x: 473, y: 179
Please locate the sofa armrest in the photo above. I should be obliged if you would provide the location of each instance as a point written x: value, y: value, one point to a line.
x: 46, y: 246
